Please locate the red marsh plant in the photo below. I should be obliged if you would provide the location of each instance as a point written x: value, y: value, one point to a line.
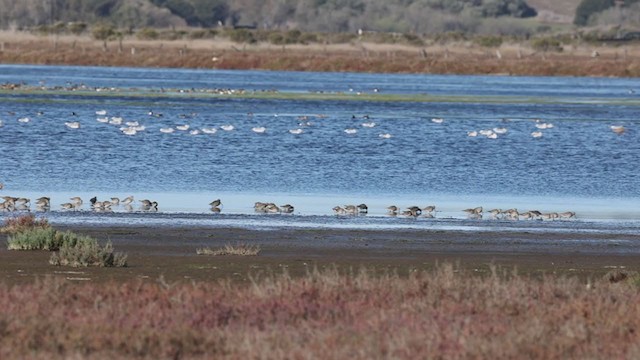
x: 440, y: 314
x: 16, y: 224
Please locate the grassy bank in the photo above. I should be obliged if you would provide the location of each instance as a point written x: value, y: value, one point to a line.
x: 355, y: 56
x: 445, y: 313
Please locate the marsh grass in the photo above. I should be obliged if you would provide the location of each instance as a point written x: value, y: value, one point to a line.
x: 71, y: 249
x: 88, y: 253
x: 444, y: 313
x: 239, y: 249
x: 17, y: 224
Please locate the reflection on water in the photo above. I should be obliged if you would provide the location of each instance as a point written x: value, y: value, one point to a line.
x: 578, y: 164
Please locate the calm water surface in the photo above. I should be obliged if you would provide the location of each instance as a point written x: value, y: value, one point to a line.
x: 579, y: 164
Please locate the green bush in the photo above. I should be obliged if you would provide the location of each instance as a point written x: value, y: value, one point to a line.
x: 587, y: 8
x: 77, y: 28
x: 307, y: 38
x: 276, y: 38
x: 88, y: 252
x: 103, y: 32
x: 45, y: 239
x: 34, y: 239
x: 489, y: 41
x: 412, y: 39
x: 147, y: 34
x: 546, y: 44
x: 241, y: 36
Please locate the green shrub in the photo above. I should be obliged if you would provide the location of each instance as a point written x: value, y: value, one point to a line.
x: 307, y: 38
x: 147, y: 34
x: 103, y: 32
x: 489, y: 41
x: 546, y: 44
x: 202, y: 34
x: 87, y: 252
x: 77, y: 28
x: 587, y: 8
x: 412, y: 39
x: 45, y: 239
x: 241, y: 36
x: 276, y: 38
x: 34, y: 239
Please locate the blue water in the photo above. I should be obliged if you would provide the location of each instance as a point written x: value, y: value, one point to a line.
x: 579, y: 164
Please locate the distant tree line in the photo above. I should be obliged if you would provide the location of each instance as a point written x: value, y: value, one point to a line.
x: 607, y: 12
x: 418, y: 16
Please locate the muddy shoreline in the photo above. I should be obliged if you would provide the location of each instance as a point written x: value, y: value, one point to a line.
x: 170, y: 253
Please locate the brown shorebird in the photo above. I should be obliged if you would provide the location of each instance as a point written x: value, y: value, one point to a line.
x: 215, y: 203
x: 287, y: 208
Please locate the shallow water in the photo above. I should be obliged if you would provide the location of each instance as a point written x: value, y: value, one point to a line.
x: 578, y: 165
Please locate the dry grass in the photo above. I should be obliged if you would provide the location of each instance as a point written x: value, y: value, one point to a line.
x: 441, y: 314
x: 21, y: 223
x: 452, y: 58
x: 240, y: 249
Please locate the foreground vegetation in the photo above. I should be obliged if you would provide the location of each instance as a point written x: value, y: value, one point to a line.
x: 239, y: 250
x: 446, y: 313
x: 70, y: 249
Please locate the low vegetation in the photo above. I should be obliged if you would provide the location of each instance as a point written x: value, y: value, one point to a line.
x: 17, y: 224
x: 240, y: 249
x: 71, y: 249
x: 446, y: 313
x: 88, y: 253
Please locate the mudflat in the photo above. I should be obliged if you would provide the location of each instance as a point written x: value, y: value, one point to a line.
x: 169, y: 253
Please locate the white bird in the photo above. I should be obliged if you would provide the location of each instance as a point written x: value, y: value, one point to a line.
x: 227, y: 127
x: 368, y: 124
x: 102, y: 120
x: 73, y: 125
x: 167, y: 130
x: 492, y: 136
x: 472, y: 133
x: 500, y: 130
x: 194, y: 132
x: 129, y: 131
x: 437, y: 120
x: 184, y: 127
x: 618, y: 129
x: 101, y: 112
x: 115, y: 121
x: 139, y: 128
x: 296, y: 131
x: 209, y: 130
x: 132, y: 123
x: 350, y: 131
x: 485, y: 132
x: 543, y: 126
x: 24, y: 120
x: 536, y: 134
x: 385, y: 136
x: 259, y: 129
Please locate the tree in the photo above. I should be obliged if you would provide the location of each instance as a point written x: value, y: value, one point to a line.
x: 588, y: 8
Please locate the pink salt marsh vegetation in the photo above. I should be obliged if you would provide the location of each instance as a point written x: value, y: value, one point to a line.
x: 445, y: 313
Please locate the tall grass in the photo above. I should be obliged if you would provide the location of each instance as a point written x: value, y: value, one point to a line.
x: 441, y: 314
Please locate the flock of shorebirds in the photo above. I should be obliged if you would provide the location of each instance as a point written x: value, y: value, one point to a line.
x: 43, y: 204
